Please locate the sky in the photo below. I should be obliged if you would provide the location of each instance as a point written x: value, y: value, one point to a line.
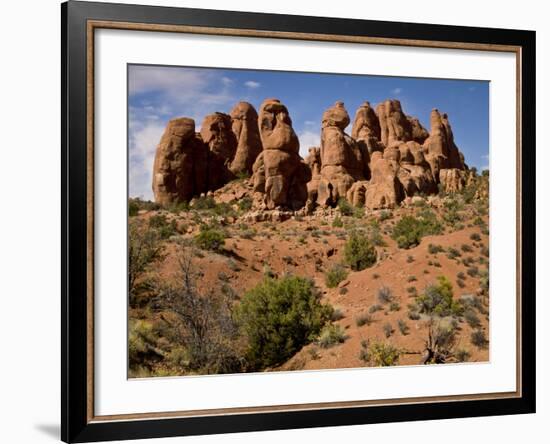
x: 157, y: 94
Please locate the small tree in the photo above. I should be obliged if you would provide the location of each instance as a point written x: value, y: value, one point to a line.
x: 204, y: 323
x: 381, y: 354
x: 210, y: 239
x: 144, y: 248
x: 335, y: 275
x: 438, y: 299
x: 359, y: 253
x: 278, y: 317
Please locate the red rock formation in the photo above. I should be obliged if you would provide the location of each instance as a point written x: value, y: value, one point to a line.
x: 418, y: 132
x: 390, y: 157
x: 343, y: 161
x: 222, y: 145
x: 394, y: 126
x: 384, y: 189
x: 366, y: 128
x: 179, y: 162
x: 313, y: 161
x: 244, y: 119
x: 443, y: 154
x: 414, y: 171
x: 279, y: 170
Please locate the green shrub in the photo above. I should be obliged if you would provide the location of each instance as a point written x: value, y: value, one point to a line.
x: 245, y: 203
x: 453, y: 253
x: 472, y: 319
x: 484, y: 280
x: 336, y: 314
x: 347, y: 209
x: 363, y: 319
x: 462, y: 355
x: 382, y: 354
x: 141, y: 342
x: 144, y: 249
x: 160, y: 223
x: 438, y: 299
x: 475, y: 237
x: 473, y: 271
x: 135, y: 204
x: 411, y: 279
x: 133, y: 208
x: 278, y: 317
x: 359, y: 253
x: 331, y: 335
x: 335, y: 275
x: 210, y: 239
x: 337, y: 222
x: 478, y: 339
x: 403, y: 327
x: 204, y: 203
x: 395, y: 306
x: 385, y: 295
x: 408, y: 231
x: 466, y: 248
x: 434, y: 249
x: 374, y: 308
x: 388, y: 329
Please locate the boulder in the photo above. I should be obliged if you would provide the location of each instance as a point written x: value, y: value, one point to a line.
x: 179, y: 160
x: 244, y: 124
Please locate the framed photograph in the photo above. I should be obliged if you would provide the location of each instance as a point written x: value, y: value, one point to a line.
x: 275, y: 221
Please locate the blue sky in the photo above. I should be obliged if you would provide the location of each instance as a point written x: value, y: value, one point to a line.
x: 157, y: 94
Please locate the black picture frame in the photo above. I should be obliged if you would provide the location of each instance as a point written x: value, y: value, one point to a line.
x: 76, y: 423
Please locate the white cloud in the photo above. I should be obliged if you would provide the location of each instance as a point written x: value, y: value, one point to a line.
x: 397, y: 91
x: 142, y: 79
x: 143, y: 144
x: 252, y: 84
x: 307, y: 140
x: 158, y: 94
x: 227, y: 81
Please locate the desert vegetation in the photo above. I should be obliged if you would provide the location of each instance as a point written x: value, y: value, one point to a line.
x: 213, y: 291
